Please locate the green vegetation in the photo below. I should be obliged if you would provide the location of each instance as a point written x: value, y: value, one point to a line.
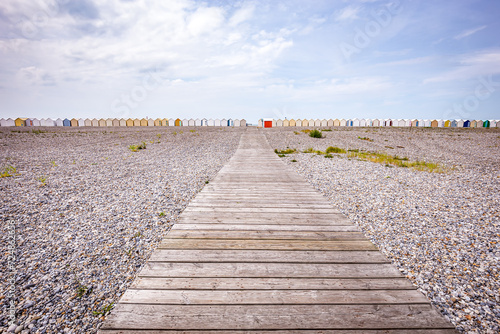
x: 316, y: 134
x: 312, y: 150
x: 43, y: 181
x: 81, y: 289
x: 105, y: 310
x: 327, y: 130
x: 192, y: 131
x: 135, y: 148
x: 333, y: 149
x: 53, y: 163
x: 161, y: 214
x: 293, y: 160
x: 305, y: 130
x: 365, y: 138
x: 8, y: 171
x: 37, y: 132
x: 287, y: 151
x: 394, y: 160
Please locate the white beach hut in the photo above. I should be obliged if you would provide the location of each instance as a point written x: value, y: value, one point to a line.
x: 243, y: 122
x: 279, y: 123
x: 197, y: 122
x: 8, y: 122
x: 223, y: 122
x: 216, y: 122
x: 329, y: 122
x: 355, y: 122
x: 343, y: 122
x: 59, y: 122
x: 210, y: 122
x: 191, y: 122
x: 236, y: 122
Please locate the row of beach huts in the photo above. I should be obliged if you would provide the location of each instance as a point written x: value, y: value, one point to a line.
x: 437, y: 123
x: 121, y: 122
x: 264, y: 122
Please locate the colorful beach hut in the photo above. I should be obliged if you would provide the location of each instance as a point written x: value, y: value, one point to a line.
x: 434, y: 123
x: 243, y: 123
x: 293, y: 122
x: 130, y: 122
x: 74, y: 122
x: 115, y: 122
x: 447, y: 124
x: 486, y: 124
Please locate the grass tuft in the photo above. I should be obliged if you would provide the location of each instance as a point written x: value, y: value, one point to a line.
x: 8, y: 171
x: 332, y: 149
x: 316, y: 134
x: 135, y: 148
x: 287, y: 151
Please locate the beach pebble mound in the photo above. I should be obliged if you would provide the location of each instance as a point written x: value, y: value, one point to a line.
x: 88, y: 211
x: 442, y: 230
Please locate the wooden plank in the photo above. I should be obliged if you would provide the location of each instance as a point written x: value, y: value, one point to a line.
x: 247, y: 269
x: 234, y: 220
x: 238, y: 283
x: 259, y: 227
x: 281, y: 317
x: 276, y: 235
x: 266, y: 244
x: 301, y: 331
x: 228, y: 255
x: 261, y: 204
x: 267, y: 297
x: 278, y: 210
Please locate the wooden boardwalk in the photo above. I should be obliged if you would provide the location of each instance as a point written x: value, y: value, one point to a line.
x: 259, y: 250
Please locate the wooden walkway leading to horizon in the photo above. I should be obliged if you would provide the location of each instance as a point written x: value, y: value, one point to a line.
x: 259, y: 250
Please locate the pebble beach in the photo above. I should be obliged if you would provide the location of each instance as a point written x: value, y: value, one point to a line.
x: 442, y: 230
x: 88, y: 211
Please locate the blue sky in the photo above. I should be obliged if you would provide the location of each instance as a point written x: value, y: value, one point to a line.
x: 250, y: 59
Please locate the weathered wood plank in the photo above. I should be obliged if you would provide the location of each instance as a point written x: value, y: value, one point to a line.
x: 200, y: 256
x: 276, y: 235
x: 266, y: 244
x: 267, y: 297
x: 278, y: 210
x: 292, y: 270
x: 259, y: 227
x: 238, y: 283
x: 261, y: 317
x: 301, y: 331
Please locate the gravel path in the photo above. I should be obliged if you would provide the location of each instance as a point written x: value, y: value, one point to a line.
x: 441, y: 230
x: 88, y: 212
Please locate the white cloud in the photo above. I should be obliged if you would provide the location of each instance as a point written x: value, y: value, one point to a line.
x: 205, y: 20
x: 241, y: 15
x: 348, y: 13
x: 471, y: 66
x: 469, y: 32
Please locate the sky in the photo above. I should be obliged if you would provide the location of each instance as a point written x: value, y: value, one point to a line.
x: 250, y: 59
